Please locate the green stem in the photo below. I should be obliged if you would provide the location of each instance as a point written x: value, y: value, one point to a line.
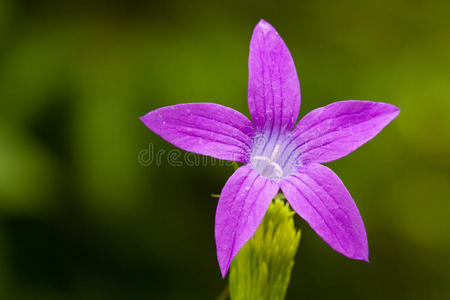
x: 224, y: 294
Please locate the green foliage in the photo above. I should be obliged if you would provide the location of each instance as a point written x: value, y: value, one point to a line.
x: 262, y: 269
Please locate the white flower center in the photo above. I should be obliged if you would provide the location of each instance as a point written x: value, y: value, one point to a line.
x: 272, y: 155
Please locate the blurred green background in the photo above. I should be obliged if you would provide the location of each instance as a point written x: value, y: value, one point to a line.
x: 81, y: 218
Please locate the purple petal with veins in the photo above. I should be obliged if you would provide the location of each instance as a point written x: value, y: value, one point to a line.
x: 331, y: 132
x: 242, y: 205
x: 204, y: 128
x: 318, y: 195
x: 273, y: 87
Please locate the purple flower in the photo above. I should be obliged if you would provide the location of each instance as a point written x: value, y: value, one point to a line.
x: 275, y: 153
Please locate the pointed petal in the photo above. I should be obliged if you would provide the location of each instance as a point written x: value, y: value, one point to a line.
x: 242, y: 205
x: 204, y: 128
x: 331, y: 132
x: 273, y: 87
x: 321, y: 199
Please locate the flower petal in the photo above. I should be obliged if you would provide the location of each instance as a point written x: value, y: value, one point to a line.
x: 204, y: 128
x: 273, y: 87
x: 319, y: 196
x: 242, y: 205
x: 331, y: 132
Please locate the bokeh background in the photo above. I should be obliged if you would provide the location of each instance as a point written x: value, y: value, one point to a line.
x: 81, y: 218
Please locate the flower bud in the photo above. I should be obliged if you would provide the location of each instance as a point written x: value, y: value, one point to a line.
x: 262, y: 268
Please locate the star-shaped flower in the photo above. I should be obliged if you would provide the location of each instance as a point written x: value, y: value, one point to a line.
x: 275, y: 153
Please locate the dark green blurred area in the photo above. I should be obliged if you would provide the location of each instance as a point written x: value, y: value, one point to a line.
x: 81, y: 218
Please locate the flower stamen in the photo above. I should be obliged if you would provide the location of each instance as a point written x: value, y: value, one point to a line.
x: 271, y: 169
